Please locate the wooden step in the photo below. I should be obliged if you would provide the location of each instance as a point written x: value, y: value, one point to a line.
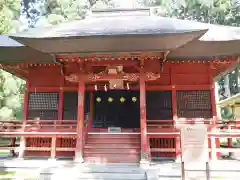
x: 115, y: 141
x: 112, y: 146
x: 114, y: 156
x: 113, y: 136
x: 107, y: 154
x: 111, y: 151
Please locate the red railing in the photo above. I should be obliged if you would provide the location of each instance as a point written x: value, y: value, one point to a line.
x: 164, y: 135
x: 164, y: 138
x: 43, y: 135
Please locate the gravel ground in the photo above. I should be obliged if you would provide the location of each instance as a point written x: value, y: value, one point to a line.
x: 227, y: 170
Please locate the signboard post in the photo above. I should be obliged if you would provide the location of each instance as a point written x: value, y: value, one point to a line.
x: 194, y: 146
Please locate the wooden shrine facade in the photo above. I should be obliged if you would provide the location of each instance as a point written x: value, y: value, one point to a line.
x: 64, y: 97
x: 139, y: 77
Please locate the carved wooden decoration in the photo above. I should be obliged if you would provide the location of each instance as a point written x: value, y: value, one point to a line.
x: 149, y: 76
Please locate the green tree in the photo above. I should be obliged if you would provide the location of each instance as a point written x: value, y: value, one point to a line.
x: 11, y: 95
x: 225, y: 12
x: 39, y: 12
x: 9, y: 14
x: 11, y: 87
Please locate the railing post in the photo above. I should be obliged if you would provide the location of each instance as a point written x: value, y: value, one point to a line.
x: 53, y: 147
x: 12, y: 144
x: 22, y: 147
x: 213, y: 148
x: 24, y: 120
x: 149, y: 150
x: 12, y: 141
x: 214, y: 141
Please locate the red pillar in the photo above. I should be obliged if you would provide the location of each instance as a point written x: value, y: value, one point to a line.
x: 143, y: 124
x: 214, y: 115
x: 174, y: 112
x: 80, y: 123
x: 24, y: 121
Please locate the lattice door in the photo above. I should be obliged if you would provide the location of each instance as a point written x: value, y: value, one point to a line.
x: 43, y: 105
x: 194, y: 104
x: 159, y: 105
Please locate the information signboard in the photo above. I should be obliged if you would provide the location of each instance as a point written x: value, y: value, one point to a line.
x: 194, y: 143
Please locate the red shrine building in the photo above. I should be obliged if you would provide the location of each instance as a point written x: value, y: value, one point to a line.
x: 112, y: 87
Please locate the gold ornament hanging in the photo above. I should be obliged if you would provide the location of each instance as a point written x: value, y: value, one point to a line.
x: 122, y: 99
x: 98, y: 99
x: 134, y: 99
x: 110, y: 99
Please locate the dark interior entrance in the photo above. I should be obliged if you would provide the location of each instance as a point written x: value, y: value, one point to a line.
x: 117, y: 108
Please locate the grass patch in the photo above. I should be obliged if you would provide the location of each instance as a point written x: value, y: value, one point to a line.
x: 14, y: 175
x: 7, y: 173
x: 4, y: 152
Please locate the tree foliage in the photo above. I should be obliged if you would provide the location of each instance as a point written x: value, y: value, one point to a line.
x: 11, y: 95
x: 9, y: 14
x: 11, y: 87
x: 225, y: 12
x: 39, y: 12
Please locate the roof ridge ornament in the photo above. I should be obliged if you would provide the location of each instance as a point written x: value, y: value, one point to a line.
x: 116, y: 12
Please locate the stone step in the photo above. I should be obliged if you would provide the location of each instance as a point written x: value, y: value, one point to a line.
x: 113, y: 165
x: 109, y: 168
x: 82, y: 168
x: 106, y: 176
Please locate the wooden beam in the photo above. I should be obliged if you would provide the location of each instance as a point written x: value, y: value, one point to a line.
x: 148, y: 76
x: 112, y: 62
x: 135, y: 87
x: 85, y: 56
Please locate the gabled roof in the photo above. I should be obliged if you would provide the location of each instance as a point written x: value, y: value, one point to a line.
x: 12, y: 51
x: 184, y: 39
x: 131, y: 25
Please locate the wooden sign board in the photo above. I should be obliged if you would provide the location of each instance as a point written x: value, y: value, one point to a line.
x: 194, y: 143
x: 114, y: 129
